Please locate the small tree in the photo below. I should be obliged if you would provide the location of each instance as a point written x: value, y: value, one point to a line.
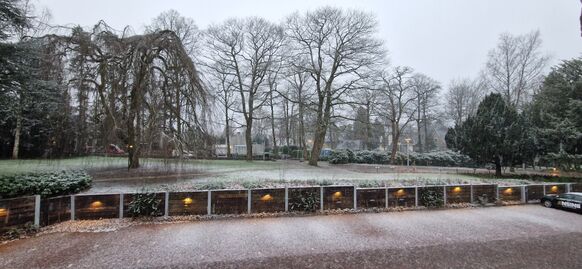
x: 491, y: 134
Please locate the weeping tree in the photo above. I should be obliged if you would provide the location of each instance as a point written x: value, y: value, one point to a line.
x: 128, y: 74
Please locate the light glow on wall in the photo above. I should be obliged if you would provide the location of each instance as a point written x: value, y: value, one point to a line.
x: 3, y: 212
x: 457, y: 189
x: 96, y: 205
x: 187, y: 201
x: 400, y: 192
x: 554, y: 188
x: 266, y: 197
x: 508, y: 191
x: 336, y: 196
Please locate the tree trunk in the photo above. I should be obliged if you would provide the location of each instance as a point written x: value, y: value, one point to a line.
x: 395, y: 138
x: 249, y: 139
x: 368, y: 127
x: 419, y: 142
x: 498, y: 166
x: 228, y: 153
x: 17, y: 132
x: 275, y: 151
x: 323, y: 118
x: 317, y: 144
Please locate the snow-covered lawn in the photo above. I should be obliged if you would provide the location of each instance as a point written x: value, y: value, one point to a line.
x: 110, y: 174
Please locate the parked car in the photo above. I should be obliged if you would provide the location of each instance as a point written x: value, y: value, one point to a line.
x: 569, y: 201
x: 114, y: 149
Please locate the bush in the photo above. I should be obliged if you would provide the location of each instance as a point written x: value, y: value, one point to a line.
x: 46, y: 184
x: 145, y: 204
x: 339, y: 157
x: 437, y: 158
x: 20, y: 232
x: 431, y: 198
x: 306, y: 202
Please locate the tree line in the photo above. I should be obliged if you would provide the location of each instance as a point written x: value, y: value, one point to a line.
x: 304, y: 82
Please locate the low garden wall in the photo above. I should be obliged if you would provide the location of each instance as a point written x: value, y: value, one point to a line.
x: 17, y: 212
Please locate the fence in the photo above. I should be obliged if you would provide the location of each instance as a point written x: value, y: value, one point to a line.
x: 17, y: 212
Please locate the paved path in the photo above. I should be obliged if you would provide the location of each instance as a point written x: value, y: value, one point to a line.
x: 501, y: 237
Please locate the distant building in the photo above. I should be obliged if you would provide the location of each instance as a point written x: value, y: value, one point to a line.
x: 354, y: 145
x: 238, y: 147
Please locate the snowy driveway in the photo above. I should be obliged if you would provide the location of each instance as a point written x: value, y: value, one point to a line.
x: 500, y: 237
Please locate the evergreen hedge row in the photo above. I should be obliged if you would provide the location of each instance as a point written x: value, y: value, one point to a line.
x: 46, y: 183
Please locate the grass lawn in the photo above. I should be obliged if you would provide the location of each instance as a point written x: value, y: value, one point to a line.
x: 110, y: 174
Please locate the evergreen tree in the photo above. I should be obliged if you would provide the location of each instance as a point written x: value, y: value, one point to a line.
x: 556, y: 115
x: 491, y: 135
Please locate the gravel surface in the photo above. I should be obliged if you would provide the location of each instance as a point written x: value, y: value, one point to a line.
x: 499, y: 237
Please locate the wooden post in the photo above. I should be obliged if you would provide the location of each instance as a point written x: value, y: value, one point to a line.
x: 523, y: 194
x: 472, y: 198
x: 416, y: 196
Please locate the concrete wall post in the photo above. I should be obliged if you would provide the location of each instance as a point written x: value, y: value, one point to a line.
x: 37, y: 210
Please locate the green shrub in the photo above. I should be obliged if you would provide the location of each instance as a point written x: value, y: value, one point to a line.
x: 46, y: 184
x: 339, y: 157
x: 306, y: 202
x: 431, y: 198
x: 145, y: 204
x: 484, y: 199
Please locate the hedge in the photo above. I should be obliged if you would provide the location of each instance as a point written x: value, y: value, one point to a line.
x: 438, y: 158
x: 46, y: 184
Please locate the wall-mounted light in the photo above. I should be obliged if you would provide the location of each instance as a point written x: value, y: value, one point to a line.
x: 96, y: 205
x: 3, y: 212
x: 336, y: 196
x: 187, y: 201
x: 457, y: 189
x: 266, y: 197
x: 400, y: 192
x: 554, y: 188
x: 508, y: 191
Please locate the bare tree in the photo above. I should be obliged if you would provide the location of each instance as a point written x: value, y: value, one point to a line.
x: 338, y: 46
x: 425, y: 91
x: 462, y: 99
x: 398, y: 98
x: 247, y: 49
x: 299, y: 93
x: 223, y: 90
x: 515, y: 68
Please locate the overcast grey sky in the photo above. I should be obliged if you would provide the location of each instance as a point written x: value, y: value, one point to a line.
x: 445, y: 39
